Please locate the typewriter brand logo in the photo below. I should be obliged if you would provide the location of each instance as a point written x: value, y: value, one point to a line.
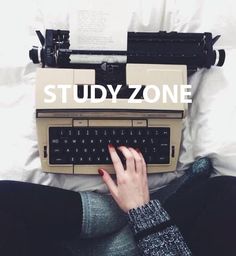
x: 65, y: 93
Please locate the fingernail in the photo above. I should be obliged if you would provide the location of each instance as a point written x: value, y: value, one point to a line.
x: 101, y: 172
x: 110, y: 146
x: 138, y: 150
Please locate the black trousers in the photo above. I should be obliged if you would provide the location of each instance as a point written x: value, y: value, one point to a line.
x: 34, y: 219
x: 205, y: 212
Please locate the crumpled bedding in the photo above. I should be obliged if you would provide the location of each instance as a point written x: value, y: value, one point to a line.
x: 209, y: 128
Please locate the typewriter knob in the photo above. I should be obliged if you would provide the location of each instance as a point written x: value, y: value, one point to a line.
x: 34, y: 55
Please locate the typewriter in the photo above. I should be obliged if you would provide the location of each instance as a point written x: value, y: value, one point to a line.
x: 73, y: 137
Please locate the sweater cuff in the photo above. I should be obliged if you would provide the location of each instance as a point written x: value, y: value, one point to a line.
x: 147, y: 216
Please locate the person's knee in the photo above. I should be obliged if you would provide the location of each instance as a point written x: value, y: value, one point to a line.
x: 101, y: 215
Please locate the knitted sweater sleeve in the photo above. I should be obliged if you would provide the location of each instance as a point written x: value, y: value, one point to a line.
x: 154, y: 232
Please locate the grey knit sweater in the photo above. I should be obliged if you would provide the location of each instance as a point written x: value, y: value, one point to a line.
x: 154, y: 232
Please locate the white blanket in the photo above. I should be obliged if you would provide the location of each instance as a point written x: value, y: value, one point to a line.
x: 209, y: 127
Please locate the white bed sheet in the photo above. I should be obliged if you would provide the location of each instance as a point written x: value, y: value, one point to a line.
x: 209, y: 126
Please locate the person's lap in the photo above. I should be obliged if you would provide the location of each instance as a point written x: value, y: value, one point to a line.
x: 203, y: 210
x: 205, y: 213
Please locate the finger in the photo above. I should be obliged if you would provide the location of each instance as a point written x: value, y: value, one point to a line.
x: 118, y: 166
x: 109, y: 182
x: 130, y: 165
x: 144, y: 165
x: 138, y: 161
x: 144, y: 173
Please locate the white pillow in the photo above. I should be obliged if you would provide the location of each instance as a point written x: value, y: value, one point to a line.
x: 211, y: 123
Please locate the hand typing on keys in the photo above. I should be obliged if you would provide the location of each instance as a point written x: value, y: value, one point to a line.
x: 131, y: 189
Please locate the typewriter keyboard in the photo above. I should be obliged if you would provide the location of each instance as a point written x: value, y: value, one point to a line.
x: 88, y: 145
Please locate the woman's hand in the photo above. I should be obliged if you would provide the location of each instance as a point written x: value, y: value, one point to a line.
x: 131, y: 190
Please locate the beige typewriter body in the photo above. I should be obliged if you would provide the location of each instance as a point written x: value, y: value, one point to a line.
x: 72, y: 114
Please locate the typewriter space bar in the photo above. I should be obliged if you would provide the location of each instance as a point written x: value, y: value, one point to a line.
x: 120, y: 123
